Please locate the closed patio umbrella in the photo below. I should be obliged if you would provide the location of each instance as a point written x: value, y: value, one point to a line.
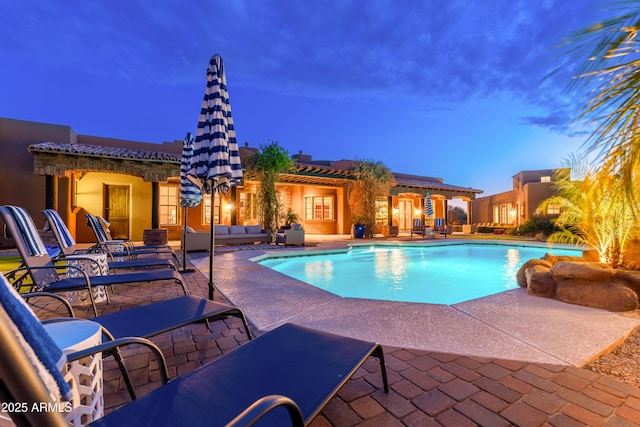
x: 428, y: 209
x: 215, y: 165
x: 190, y: 194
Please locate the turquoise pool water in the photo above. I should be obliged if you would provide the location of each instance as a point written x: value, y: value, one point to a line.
x: 436, y: 274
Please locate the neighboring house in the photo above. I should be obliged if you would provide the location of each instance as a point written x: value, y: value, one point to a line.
x: 512, y: 208
x: 135, y: 186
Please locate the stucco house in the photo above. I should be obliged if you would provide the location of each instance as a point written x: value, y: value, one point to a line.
x: 513, y: 207
x: 135, y: 185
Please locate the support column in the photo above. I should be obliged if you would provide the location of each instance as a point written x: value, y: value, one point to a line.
x: 51, y: 192
x: 233, y: 197
x: 155, y: 204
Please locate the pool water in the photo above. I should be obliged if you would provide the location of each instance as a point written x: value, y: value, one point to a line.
x: 436, y: 274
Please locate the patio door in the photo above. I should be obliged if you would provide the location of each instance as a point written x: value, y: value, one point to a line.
x: 405, y: 215
x: 116, y: 210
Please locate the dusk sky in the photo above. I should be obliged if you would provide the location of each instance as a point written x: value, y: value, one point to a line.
x: 452, y: 89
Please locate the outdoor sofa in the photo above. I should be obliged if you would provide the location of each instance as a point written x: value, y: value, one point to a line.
x: 224, y: 235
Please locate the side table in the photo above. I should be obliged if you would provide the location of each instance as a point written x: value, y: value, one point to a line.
x: 93, y: 265
x: 84, y: 375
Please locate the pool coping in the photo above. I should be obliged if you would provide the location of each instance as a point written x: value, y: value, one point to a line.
x: 508, y: 325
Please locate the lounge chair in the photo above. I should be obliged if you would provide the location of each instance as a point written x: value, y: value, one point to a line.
x: 43, y: 271
x: 441, y: 228
x: 152, y: 319
x: 124, y: 248
x: 292, y: 366
x: 417, y: 228
x: 68, y: 245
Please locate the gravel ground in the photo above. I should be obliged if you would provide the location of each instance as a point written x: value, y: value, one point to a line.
x: 622, y: 363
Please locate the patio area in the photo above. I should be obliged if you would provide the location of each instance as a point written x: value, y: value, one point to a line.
x: 510, y: 359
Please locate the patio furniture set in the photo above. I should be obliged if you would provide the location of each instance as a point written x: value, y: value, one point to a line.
x: 284, y: 377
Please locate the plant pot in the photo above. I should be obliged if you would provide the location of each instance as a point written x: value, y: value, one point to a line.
x: 358, y: 231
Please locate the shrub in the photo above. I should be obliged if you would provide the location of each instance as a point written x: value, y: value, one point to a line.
x: 536, y: 225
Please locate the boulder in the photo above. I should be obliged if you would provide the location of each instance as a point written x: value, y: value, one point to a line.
x: 553, y: 259
x: 608, y: 295
x: 540, y: 282
x: 630, y: 277
x: 595, y: 271
x: 520, y: 277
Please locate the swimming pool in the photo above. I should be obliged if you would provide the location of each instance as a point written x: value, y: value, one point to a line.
x: 436, y: 274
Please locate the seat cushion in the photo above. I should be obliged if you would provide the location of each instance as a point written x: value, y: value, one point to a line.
x: 237, y: 229
x: 254, y: 229
x: 222, y: 230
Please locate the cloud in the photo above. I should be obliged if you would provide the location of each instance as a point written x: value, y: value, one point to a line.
x: 445, y: 51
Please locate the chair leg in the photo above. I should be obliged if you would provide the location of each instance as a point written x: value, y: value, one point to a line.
x: 379, y: 353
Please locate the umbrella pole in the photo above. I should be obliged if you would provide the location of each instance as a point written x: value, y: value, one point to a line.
x: 212, y: 239
x: 184, y: 245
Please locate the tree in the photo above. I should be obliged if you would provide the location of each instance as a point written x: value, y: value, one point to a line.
x: 373, y: 179
x: 266, y: 166
x: 594, y: 211
x: 609, y: 73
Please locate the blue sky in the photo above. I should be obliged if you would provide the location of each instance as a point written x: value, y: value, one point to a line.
x: 452, y: 89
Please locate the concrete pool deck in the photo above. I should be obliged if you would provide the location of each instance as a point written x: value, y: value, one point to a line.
x: 509, y: 325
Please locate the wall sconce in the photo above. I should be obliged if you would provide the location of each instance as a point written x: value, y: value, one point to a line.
x: 228, y: 207
x: 395, y: 211
x: 417, y: 212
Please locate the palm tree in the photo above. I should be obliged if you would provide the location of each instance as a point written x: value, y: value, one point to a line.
x: 594, y: 212
x: 609, y: 73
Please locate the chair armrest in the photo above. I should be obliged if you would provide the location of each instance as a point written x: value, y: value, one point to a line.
x: 262, y: 406
x: 57, y: 297
x: 112, y: 348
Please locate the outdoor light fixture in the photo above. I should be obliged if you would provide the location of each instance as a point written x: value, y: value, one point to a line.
x: 229, y: 207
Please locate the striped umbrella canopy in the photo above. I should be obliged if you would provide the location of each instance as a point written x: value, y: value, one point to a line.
x: 215, y: 165
x: 428, y: 206
x: 190, y: 194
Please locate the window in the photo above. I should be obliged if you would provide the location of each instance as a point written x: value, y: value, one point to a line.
x: 504, y: 219
x: 382, y: 211
x: 496, y: 214
x: 545, y: 179
x: 169, y: 204
x: 247, y: 206
x: 553, y: 209
x: 206, y: 206
x: 318, y: 207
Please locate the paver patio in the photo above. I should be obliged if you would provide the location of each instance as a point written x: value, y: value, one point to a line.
x: 427, y: 387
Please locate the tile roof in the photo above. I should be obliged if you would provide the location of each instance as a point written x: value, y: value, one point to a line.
x: 104, y: 152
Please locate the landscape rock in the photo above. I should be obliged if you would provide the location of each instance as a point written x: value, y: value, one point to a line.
x: 554, y: 259
x: 630, y: 277
x: 594, y: 271
x: 520, y: 275
x: 607, y: 295
x: 539, y: 280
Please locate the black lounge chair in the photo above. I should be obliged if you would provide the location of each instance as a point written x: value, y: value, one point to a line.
x: 44, y: 273
x: 67, y: 246
x: 122, y: 247
x: 292, y: 366
x: 152, y: 319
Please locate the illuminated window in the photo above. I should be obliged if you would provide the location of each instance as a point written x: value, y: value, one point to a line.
x: 553, y: 209
x: 382, y: 211
x: 318, y: 207
x: 248, y: 206
x: 169, y: 204
x: 545, y: 179
x: 206, y: 206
